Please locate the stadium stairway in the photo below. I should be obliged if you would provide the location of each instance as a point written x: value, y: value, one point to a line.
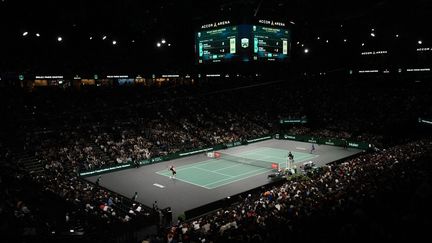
x: 29, y: 163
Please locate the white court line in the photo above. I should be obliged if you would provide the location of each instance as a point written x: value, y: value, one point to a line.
x: 179, y: 179
x: 238, y: 164
x: 300, y: 148
x: 183, y: 167
x: 239, y: 179
x: 237, y: 176
x: 211, y: 171
x: 158, y: 185
x: 245, y: 152
x: 208, y: 161
x: 229, y: 182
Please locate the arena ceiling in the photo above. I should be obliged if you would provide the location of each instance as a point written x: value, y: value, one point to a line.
x: 136, y: 25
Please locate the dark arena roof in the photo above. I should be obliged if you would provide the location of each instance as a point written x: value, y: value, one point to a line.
x: 136, y: 27
x: 215, y: 121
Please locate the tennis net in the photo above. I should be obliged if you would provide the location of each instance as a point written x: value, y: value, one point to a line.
x: 242, y: 160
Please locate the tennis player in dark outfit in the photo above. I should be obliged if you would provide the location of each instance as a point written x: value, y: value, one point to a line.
x: 174, y: 172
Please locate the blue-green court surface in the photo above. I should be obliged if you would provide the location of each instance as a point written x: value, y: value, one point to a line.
x: 213, y: 173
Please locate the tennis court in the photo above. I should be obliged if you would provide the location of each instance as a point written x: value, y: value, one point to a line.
x: 213, y: 173
x: 202, y: 180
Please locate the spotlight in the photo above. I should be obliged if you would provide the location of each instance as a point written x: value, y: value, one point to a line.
x: 59, y: 38
x: 25, y: 33
x: 306, y: 50
x: 114, y: 42
x: 163, y: 41
x: 104, y: 37
x: 37, y: 35
x: 372, y: 34
x: 158, y: 44
x: 419, y: 42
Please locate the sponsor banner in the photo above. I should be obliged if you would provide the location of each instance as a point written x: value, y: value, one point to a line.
x: 195, y: 152
x: 88, y: 173
x: 332, y: 142
x: 259, y: 139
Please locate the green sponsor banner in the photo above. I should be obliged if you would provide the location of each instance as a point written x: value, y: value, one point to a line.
x: 173, y: 156
x: 157, y: 159
x: 145, y: 162
x: 104, y: 170
x: 326, y: 141
x: 293, y: 121
x: 259, y: 139
x: 233, y: 144
x: 195, y: 152
x: 425, y: 121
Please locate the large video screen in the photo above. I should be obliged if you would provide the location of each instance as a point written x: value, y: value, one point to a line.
x: 242, y: 43
x: 270, y: 43
x: 217, y: 45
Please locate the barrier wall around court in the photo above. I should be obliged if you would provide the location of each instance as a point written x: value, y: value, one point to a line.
x: 301, y: 138
x: 171, y: 156
x: 325, y: 141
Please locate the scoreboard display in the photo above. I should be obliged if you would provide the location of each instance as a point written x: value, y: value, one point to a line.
x: 217, y: 44
x: 242, y: 43
x: 270, y: 43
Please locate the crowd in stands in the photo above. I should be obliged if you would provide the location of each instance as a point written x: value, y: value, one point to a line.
x: 320, y: 203
x: 60, y: 204
x: 69, y: 132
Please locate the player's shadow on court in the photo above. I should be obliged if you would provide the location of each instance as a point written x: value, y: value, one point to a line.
x: 173, y: 181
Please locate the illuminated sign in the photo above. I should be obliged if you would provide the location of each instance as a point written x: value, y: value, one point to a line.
x: 271, y: 22
x: 170, y: 75
x: 117, y: 76
x: 418, y: 69
x: 373, y: 53
x: 424, y: 49
x: 421, y: 120
x: 215, y: 24
x: 48, y: 77
x: 368, y: 71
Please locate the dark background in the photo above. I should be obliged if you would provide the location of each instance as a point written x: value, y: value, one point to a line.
x: 138, y: 25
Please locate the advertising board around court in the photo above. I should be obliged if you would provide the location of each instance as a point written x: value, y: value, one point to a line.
x: 325, y: 141
x: 301, y: 138
x: 171, y: 156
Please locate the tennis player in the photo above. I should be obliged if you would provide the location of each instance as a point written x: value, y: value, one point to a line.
x: 291, y: 156
x: 173, y: 171
x: 312, y: 148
